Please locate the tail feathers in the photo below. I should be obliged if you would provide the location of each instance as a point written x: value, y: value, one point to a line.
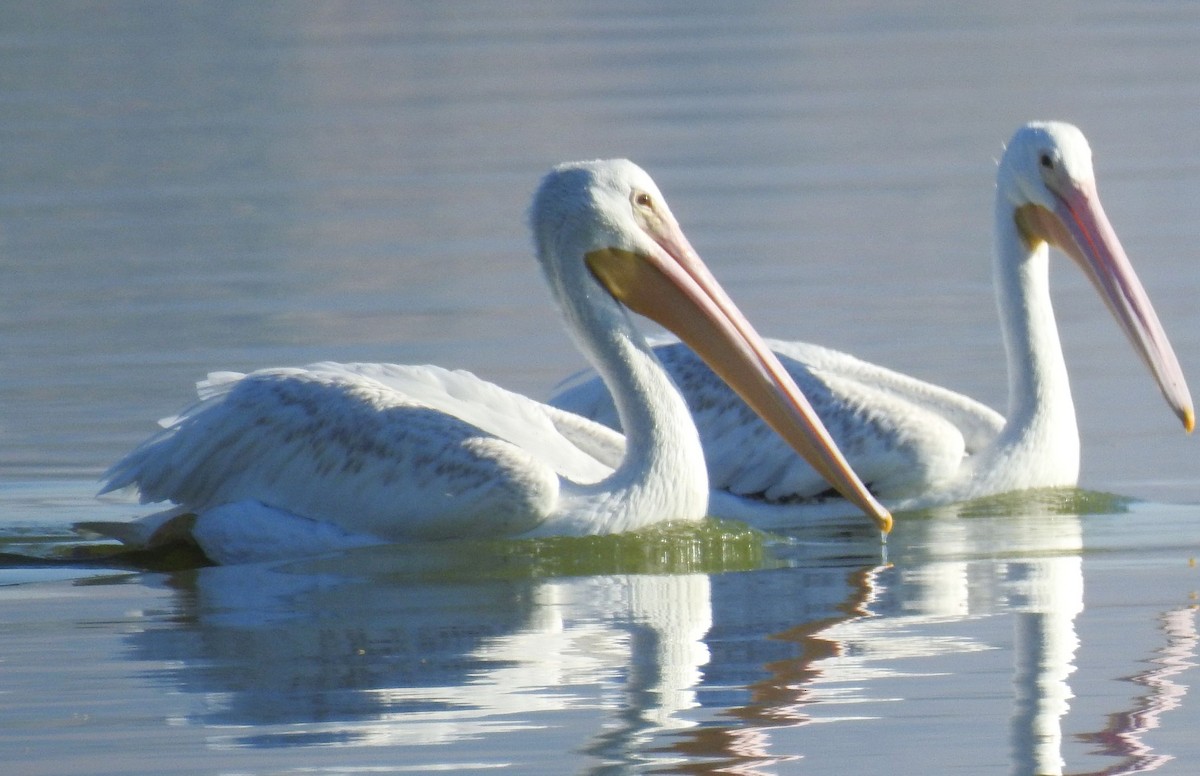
x: 171, y: 526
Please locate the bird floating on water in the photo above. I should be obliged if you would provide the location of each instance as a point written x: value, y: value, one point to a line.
x: 287, y: 462
x: 918, y: 444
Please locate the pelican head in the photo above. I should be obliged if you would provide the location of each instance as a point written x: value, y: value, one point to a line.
x: 1046, y: 178
x: 607, y: 241
x: 585, y: 207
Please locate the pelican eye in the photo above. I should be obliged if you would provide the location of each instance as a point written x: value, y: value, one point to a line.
x: 642, y: 199
x: 1047, y: 161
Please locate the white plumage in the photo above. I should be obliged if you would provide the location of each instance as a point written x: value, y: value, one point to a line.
x: 915, y: 443
x: 293, y: 461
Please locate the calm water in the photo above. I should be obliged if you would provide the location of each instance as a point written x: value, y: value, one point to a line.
x: 190, y: 187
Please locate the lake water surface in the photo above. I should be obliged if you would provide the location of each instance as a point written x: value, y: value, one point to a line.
x: 190, y: 187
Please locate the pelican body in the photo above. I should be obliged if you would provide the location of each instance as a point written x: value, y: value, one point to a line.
x: 283, y: 462
x: 918, y: 444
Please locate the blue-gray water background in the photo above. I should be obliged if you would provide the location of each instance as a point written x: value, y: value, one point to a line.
x: 187, y: 187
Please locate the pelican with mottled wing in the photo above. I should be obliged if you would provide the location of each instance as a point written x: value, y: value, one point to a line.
x: 918, y: 444
x: 285, y: 462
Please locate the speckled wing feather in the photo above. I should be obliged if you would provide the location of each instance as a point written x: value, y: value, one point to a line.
x: 394, y: 451
x: 901, y: 435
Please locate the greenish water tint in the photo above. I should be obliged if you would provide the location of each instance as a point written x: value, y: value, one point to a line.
x: 1046, y: 501
x: 709, y: 547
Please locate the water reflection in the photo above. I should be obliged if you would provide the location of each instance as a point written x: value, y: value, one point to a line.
x: 778, y: 674
x: 740, y: 660
x: 950, y: 569
x: 363, y: 650
x: 358, y: 653
x: 1035, y: 575
x: 1046, y: 595
x: 1123, y: 737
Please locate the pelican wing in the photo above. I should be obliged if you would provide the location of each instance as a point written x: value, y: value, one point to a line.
x: 602, y: 443
x: 393, y: 451
x: 576, y: 448
x: 978, y: 423
x: 901, y: 435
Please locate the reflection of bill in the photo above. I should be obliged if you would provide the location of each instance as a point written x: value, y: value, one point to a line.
x: 1123, y: 737
x: 943, y: 571
x: 789, y: 661
x: 951, y: 573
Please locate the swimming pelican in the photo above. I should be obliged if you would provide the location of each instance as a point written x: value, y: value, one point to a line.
x: 284, y: 462
x: 914, y: 443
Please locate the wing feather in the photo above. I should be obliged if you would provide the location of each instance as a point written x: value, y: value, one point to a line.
x: 397, y: 452
x: 903, y: 436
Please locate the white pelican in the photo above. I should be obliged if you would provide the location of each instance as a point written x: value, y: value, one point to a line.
x: 282, y: 462
x: 917, y: 444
